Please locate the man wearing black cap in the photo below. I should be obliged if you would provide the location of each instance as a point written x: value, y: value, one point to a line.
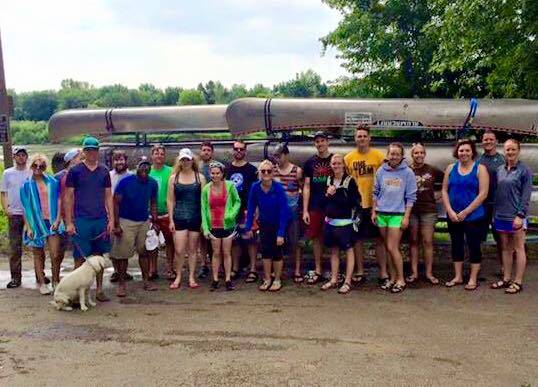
x: 317, y: 170
x: 12, y: 181
x: 134, y: 197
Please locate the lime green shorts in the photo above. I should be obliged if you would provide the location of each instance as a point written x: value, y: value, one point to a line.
x: 385, y: 220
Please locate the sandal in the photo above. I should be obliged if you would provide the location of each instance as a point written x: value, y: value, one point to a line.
x: 358, y: 279
x: 345, y: 288
x: 451, y: 284
x: 386, y: 285
x: 329, y: 285
x: 174, y: 286
x: 297, y: 278
x: 252, y: 276
x: 432, y: 280
x: 472, y: 287
x: 275, y: 286
x: 502, y: 284
x: 214, y: 286
x: 411, y: 279
x: 514, y: 288
x: 313, y: 278
x: 398, y: 288
x: 264, y: 286
x: 150, y: 287
x: 194, y: 285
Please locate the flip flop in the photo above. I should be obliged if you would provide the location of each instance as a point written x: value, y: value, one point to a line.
x: 194, y: 285
x: 514, y: 288
x: 150, y: 287
x: 252, y: 277
x: 275, y: 286
x: 500, y: 284
x: 397, y: 288
x: 472, y: 287
x: 451, y: 284
x: 411, y: 279
x: 358, y: 279
x: 174, y: 286
x: 432, y: 280
x: 297, y: 278
x: 329, y: 285
x: 345, y: 288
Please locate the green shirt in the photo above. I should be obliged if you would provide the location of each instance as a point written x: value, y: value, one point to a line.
x: 161, y: 176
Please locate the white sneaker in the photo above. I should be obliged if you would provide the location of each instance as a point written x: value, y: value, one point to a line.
x: 45, y: 289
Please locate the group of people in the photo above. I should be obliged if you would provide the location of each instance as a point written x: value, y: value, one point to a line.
x: 217, y: 214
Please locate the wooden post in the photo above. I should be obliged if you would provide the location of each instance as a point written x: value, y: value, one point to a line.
x: 5, y: 109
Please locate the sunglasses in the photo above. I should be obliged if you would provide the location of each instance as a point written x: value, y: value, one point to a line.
x: 266, y: 171
x: 41, y: 167
x: 239, y: 149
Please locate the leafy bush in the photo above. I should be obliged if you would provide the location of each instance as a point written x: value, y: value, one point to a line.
x: 29, y: 132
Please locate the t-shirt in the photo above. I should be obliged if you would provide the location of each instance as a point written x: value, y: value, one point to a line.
x: 243, y: 177
x: 492, y: 163
x: 89, y: 190
x: 161, y: 176
x: 429, y: 180
x: 12, y: 181
x: 116, y: 177
x: 135, y: 197
x: 318, y: 169
x: 362, y: 167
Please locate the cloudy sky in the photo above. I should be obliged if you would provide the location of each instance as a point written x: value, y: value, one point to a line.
x: 164, y: 42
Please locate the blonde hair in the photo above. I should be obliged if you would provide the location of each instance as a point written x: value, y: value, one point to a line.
x: 39, y: 157
x: 178, y: 167
x: 266, y: 162
x: 398, y: 145
x: 337, y: 156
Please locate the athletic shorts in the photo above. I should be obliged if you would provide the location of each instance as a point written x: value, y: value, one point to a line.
x: 91, y: 237
x: 163, y: 222
x: 133, y: 238
x: 338, y: 236
x: 193, y: 225
x: 507, y: 226
x: 269, y: 248
x: 367, y: 230
x: 389, y: 220
x: 425, y: 219
x: 220, y: 233
x: 317, y: 221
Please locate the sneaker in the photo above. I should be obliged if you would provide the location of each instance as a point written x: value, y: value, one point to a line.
x: 128, y: 277
x: 115, y: 277
x: 13, y: 284
x: 214, y: 286
x: 230, y: 285
x: 203, y: 272
x: 44, y: 289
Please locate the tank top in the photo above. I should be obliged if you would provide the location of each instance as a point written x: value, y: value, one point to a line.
x: 290, y: 182
x: 463, y: 189
x: 217, y: 207
x: 188, y: 197
x: 43, y: 199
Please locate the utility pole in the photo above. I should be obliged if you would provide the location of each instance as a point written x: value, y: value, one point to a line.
x: 6, y: 104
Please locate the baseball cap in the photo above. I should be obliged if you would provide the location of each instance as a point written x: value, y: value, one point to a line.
x: 320, y: 133
x: 90, y: 143
x: 71, y: 154
x: 185, y: 153
x: 143, y: 160
x: 17, y: 149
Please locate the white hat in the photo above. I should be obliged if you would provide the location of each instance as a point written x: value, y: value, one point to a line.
x: 185, y: 153
x: 71, y: 154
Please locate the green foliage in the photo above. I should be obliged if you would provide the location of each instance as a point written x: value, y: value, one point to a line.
x: 36, y: 105
x: 29, y: 132
x: 304, y: 85
x: 191, y: 97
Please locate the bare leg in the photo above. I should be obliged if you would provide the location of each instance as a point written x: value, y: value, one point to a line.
x: 194, y: 241
x: 298, y: 255
x: 393, y: 246
x: 381, y: 254
x: 236, y: 255
x: 215, y: 262
x: 335, y: 264
x: 277, y: 266
x: 121, y: 266
x: 521, y: 256
x: 350, y: 262
x: 473, y: 277
x: 56, y: 257
x: 252, y: 252
x: 458, y: 273
x: 227, y: 256
x: 318, y: 251
x: 426, y: 234
x: 414, y: 249
x: 267, y: 269
x: 180, y: 243
x: 39, y: 265
x: 507, y: 255
x: 359, y: 258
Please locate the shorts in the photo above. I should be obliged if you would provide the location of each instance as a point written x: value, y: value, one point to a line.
x: 193, y: 225
x: 425, y: 219
x: 367, y: 230
x: 91, y: 237
x: 317, y: 222
x: 132, y: 239
x: 220, y: 233
x: 338, y: 236
x: 507, y: 226
x: 163, y: 222
x: 269, y: 248
x: 488, y: 223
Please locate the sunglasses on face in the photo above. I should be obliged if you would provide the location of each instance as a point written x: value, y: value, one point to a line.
x: 266, y: 171
x: 239, y: 149
x: 40, y: 167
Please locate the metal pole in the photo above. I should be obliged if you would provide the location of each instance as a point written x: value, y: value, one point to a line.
x: 5, y: 110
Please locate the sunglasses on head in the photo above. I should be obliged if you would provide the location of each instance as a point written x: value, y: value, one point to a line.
x: 266, y: 171
x: 41, y: 167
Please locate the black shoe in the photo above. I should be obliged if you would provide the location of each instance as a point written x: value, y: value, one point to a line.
x: 115, y: 277
x: 203, y: 272
x: 230, y: 285
x: 214, y: 286
x: 47, y: 281
x: 154, y: 277
x: 13, y: 284
x: 128, y: 277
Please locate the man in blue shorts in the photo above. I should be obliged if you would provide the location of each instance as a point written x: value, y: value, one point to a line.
x: 89, y: 208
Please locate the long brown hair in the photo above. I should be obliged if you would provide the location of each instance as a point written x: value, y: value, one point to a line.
x: 178, y: 168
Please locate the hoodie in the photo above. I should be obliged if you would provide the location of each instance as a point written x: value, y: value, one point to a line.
x: 395, y: 189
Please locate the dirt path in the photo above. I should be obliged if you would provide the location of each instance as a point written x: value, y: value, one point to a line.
x: 299, y: 336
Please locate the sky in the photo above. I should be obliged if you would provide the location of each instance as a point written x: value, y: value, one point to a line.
x: 164, y: 42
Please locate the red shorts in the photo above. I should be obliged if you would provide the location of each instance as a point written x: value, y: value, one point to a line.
x: 315, y: 228
x: 163, y: 221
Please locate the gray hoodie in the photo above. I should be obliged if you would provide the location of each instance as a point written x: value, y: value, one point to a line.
x: 395, y: 189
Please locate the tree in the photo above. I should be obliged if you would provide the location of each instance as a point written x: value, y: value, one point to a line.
x: 171, y: 95
x: 191, y: 97
x: 149, y: 95
x: 75, y: 94
x: 305, y: 84
x: 38, y: 105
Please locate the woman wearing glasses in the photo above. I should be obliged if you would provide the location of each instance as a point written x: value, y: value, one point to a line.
x: 220, y: 206
x: 270, y: 199
x: 40, y: 197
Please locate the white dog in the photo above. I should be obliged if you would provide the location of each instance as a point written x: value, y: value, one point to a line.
x: 76, y: 285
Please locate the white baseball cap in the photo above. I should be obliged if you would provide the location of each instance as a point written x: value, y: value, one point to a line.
x: 185, y: 153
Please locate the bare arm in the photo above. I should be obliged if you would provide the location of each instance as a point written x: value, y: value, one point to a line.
x: 170, y: 199
x: 444, y: 194
x: 109, y: 203
x: 69, y: 210
x: 3, y: 196
x: 306, y: 200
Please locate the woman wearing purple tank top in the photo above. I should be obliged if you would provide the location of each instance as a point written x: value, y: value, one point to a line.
x: 465, y: 187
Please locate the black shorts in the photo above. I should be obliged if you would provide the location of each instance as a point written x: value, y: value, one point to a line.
x: 338, y: 236
x: 221, y: 233
x: 188, y: 224
x: 269, y: 248
x: 367, y: 230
